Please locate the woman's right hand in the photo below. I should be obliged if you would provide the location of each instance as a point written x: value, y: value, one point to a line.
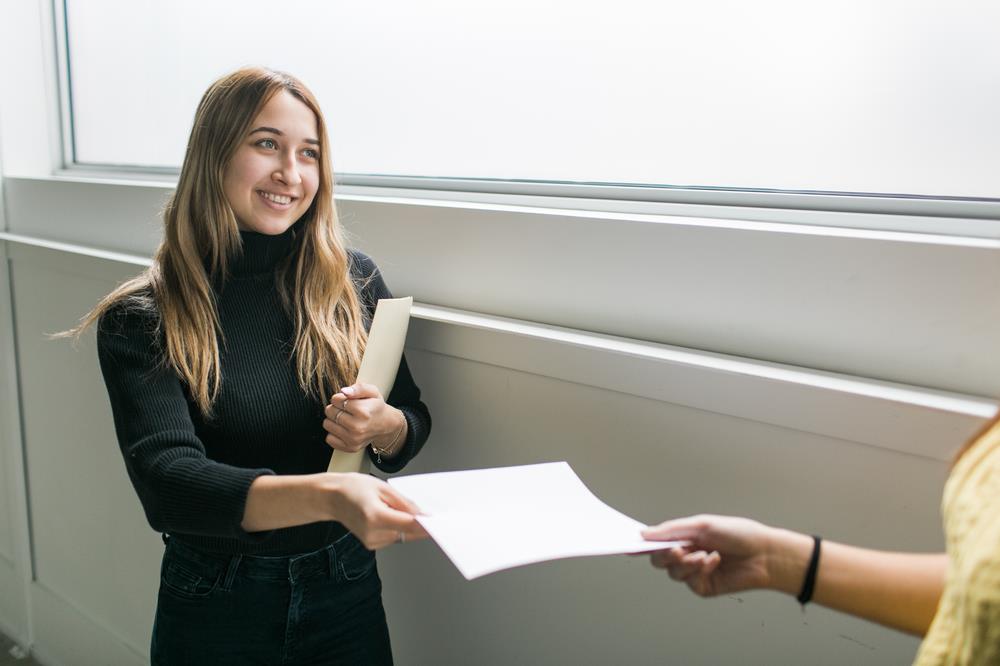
x: 725, y: 554
x: 372, y: 510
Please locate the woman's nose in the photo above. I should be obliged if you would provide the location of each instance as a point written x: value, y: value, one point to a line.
x: 287, y: 172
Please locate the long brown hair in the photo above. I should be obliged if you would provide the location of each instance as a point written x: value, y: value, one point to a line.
x: 201, y: 238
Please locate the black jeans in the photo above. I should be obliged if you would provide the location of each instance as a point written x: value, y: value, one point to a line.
x: 323, y: 607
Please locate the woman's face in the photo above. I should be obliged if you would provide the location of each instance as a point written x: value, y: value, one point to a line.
x: 272, y: 179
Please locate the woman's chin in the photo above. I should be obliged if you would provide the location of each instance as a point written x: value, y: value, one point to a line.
x: 267, y: 227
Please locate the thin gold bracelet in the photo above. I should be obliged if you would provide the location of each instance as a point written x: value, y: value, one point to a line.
x: 379, y: 452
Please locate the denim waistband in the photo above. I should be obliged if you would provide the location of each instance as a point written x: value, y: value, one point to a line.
x: 263, y: 567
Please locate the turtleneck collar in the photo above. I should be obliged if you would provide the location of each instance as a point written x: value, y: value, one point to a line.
x: 262, y: 253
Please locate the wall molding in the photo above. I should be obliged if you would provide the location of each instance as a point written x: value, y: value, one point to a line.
x: 851, y: 301
x: 910, y: 419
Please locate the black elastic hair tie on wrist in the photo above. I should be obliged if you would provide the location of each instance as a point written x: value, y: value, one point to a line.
x: 809, y: 583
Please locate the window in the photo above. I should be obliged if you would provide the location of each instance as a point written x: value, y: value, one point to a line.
x: 893, y: 97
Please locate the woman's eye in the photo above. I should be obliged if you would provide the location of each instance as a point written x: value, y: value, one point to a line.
x: 268, y: 143
x: 311, y: 153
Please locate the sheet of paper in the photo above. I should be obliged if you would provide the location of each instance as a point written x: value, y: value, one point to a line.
x: 379, y: 364
x: 487, y: 520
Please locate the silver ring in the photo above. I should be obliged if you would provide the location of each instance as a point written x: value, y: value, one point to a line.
x: 337, y: 416
x: 343, y: 406
x: 402, y: 538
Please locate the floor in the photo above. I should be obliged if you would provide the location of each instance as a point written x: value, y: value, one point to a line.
x: 12, y: 655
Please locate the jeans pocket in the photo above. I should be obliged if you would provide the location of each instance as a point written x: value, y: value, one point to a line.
x: 355, y: 561
x: 188, y: 578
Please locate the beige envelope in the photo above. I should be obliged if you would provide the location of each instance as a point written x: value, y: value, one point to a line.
x: 379, y: 365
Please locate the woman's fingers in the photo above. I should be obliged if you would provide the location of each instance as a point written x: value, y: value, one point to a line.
x: 349, y: 422
x: 381, y: 539
x: 361, y: 390
x: 339, y: 403
x: 355, y: 424
x: 344, y: 443
x: 384, y: 538
x: 335, y: 418
x: 395, y: 500
x: 373, y: 511
x: 339, y: 411
x: 336, y: 409
x: 401, y: 512
x: 389, y: 519
x: 345, y: 434
x: 417, y: 532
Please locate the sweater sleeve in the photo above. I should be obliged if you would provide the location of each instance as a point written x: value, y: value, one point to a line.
x: 405, y: 394
x: 181, y: 489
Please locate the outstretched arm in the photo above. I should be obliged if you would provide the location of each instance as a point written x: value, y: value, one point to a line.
x: 370, y: 508
x: 727, y: 554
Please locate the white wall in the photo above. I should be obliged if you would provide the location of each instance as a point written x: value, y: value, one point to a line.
x: 14, y: 539
x: 514, y: 374
x: 651, y: 460
x: 14, y: 550
x: 96, y: 559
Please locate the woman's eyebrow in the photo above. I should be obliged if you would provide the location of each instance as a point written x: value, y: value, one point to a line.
x: 274, y: 130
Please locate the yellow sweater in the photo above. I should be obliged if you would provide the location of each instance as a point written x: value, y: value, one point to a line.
x: 966, y: 628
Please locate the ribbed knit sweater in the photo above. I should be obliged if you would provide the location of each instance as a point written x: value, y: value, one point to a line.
x: 192, y: 474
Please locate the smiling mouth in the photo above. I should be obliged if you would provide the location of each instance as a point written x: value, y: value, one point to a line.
x: 279, y: 199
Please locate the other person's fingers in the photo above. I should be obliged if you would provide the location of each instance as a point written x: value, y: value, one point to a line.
x: 678, y: 529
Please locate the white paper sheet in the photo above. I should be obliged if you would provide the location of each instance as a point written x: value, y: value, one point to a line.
x: 487, y: 520
x: 379, y: 364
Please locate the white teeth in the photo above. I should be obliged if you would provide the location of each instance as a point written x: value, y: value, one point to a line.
x: 276, y: 198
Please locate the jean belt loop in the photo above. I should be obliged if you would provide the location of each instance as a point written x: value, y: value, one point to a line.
x: 331, y: 554
x: 234, y: 564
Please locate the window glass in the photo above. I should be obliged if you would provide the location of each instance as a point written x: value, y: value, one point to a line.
x: 895, y: 96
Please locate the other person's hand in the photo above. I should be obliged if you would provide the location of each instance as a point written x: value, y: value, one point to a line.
x: 725, y: 554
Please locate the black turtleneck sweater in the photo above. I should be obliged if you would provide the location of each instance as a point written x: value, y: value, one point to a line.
x: 192, y: 474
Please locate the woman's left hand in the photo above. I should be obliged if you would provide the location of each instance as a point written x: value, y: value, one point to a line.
x: 358, y: 416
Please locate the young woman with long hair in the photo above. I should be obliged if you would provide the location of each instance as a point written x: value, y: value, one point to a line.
x: 229, y: 365
x: 952, y: 599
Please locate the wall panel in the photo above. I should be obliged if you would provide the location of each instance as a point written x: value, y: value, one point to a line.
x: 901, y: 307
x: 652, y: 460
x: 96, y: 559
x: 14, y: 548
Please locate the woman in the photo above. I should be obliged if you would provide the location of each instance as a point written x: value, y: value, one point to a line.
x: 952, y: 599
x: 223, y: 363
